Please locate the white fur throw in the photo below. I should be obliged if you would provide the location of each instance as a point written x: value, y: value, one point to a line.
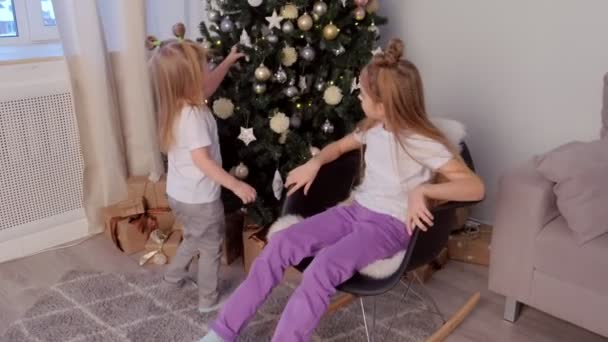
x: 455, y: 132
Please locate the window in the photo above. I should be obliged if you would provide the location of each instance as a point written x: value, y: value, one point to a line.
x: 27, y: 21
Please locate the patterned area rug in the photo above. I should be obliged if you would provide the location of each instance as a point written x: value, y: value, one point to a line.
x: 95, y: 307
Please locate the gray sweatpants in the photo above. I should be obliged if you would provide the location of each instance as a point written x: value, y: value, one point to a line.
x: 204, y: 226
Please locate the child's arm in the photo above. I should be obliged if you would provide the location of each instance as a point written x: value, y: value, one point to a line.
x: 205, y: 163
x: 212, y: 79
x: 462, y: 185
x: 304, y: 175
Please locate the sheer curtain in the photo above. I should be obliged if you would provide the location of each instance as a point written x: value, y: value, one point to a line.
x: 103, y: 42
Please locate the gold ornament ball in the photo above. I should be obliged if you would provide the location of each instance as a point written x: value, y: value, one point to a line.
x: 359, y: 13
x: 262, y: 73
x: 330, y: 31
x: 305, y: 22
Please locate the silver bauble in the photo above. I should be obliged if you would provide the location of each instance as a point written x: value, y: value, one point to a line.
x: 241, y: 171
x: 328, y: 127
x: 280, y: 76
x: 272, y: 38
x: 307, y: 53
x: 291, y: 91
x: 227, y: 25
x: 319, y: 8
x: 214, y: 16
x: 254, y: 3
x: 262, y: 73
x: 259, y: 88
x: 288, y: 27
x: 295, y: 121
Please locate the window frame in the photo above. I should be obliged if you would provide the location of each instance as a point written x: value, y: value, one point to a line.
x: 30, y: 27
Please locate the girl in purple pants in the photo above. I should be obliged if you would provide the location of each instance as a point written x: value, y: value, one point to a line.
x: 403, y: 150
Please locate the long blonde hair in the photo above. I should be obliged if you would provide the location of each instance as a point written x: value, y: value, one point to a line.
x: 396, y: 83
x: 176, y: 67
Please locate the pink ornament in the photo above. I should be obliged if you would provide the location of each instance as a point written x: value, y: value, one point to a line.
x: 361, y: 3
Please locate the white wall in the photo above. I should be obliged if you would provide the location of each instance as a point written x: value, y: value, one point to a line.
x: 523, y: 75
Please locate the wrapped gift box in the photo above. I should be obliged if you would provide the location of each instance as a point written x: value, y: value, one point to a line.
x: 253, y: 246
x: 154, y: 193
x: 472, y: 246
x: 163, y: 218
x: 126, y: 225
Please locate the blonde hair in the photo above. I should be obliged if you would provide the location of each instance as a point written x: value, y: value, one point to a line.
x: 396, y: 83
x: 176, y: 67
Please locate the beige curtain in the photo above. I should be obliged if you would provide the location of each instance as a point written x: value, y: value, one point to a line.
x: 103, y: 43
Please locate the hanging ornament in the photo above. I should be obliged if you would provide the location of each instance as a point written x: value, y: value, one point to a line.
x: 316, y: 17
x: 314, y: 151
x: 259, y: 88
x: 330, y: 31
x: 280, y: 76
x: 303, y: 84
x: 289, y: 56
x: 291, y: 91
x: 247, y: 136
x: 343, y: 3
x: 305, y: 22
x: 214, y: 16
x: 295, y: 121
x: 241, y: 171
x: 328, y: 127
x: 227, y: 25
x: 262, y: 73
x: 274, y: 21
x: 355, y: 85
x: 255, y: 3
x: 320, y: 85
x: 272, y: 38
x: 283, y: 137
x: 333, y: 95
x: 279, y: 123
x: 289, y: 11
x: 245, y: 39
x: 288, y: 27
x: 361, y: 3
x: 277, y: 185
x: 359, y: 13
x: 319, y: 8
x: 307, y: 53
x: 223, y: 108
x: 373, y: 28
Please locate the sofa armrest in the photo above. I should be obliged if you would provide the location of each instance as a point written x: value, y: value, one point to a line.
x: 524, y: 205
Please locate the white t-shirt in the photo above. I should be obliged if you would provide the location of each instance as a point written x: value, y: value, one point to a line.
x: 391, y: 172
x: 194, y: 128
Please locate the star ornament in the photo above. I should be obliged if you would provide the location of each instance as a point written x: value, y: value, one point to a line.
x: 247, y: 136
x: 274, y: 20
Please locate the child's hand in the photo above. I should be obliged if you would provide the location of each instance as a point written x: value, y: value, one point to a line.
x: 418, y: 214
x: 302, y: 176
x: 234, y: 55
x: 245, y: 192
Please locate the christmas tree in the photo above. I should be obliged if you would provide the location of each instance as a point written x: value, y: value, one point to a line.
x: 294, y: 93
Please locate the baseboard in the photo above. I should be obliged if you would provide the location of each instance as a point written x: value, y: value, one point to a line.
x: 17, y: 247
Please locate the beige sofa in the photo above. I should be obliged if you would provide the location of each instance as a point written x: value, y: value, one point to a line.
x: 536, y: 261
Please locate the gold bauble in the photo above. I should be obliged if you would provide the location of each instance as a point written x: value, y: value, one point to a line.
x: 305, y: 22
x: 262, y: 73
x: 359, y: 13
x: 330, y: 31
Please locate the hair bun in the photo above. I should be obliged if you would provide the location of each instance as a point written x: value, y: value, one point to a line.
x: 393, y: 54
x: 151, y: 43
x: 179, y: 30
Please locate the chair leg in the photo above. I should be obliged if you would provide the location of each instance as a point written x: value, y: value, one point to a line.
x: 403, y: 297
x: 428, y: 295
x: 364, y: 320
x: 512, y: 309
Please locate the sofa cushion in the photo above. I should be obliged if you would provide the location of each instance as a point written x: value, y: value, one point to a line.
x: 605, y: 109
x: 579, y: 171
x: 559, y: 256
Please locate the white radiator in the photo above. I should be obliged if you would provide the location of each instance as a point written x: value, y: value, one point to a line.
x: 41, y: 165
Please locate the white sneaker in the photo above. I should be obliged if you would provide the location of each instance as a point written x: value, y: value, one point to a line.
x: 211, y: 337
x: 223, y: 297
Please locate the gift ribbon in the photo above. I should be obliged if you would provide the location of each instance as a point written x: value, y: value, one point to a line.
x: 157, y: 236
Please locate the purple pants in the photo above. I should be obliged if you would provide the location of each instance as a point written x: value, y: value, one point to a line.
x: 342, y: 239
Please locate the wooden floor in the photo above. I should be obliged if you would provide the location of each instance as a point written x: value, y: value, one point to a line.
x: 21, y: 281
